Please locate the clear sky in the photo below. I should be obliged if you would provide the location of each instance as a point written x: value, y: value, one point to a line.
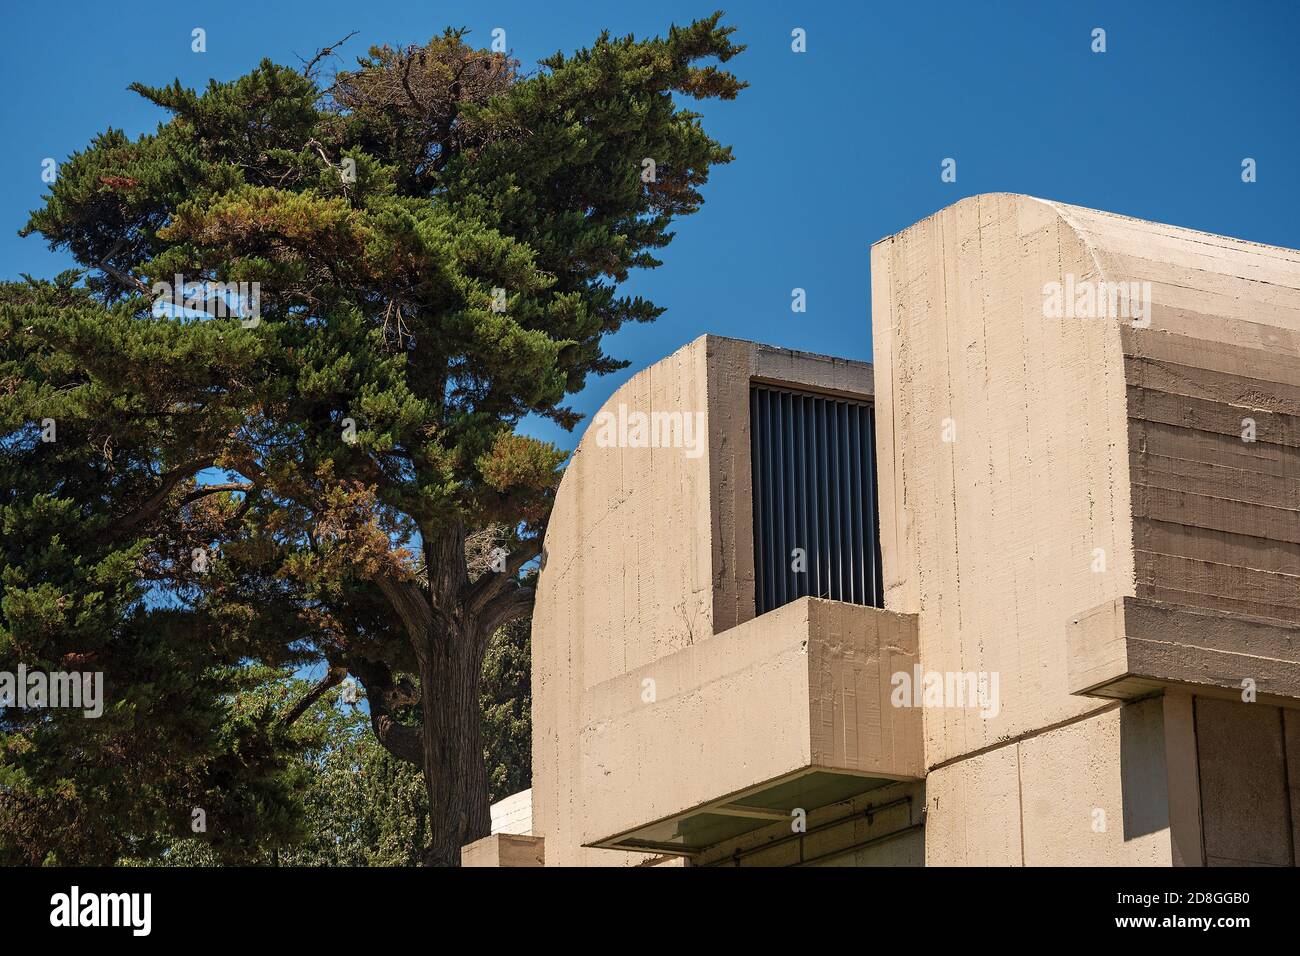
x: 835, y: 147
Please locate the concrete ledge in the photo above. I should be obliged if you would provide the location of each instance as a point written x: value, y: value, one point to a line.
x: 737, y: 730
x: 504, y: 849
x: 1133, y: 648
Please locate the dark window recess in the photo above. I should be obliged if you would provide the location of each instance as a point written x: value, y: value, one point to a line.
x: 814, y: 467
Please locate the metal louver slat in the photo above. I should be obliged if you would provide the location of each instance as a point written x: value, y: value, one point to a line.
x: 814, y: 489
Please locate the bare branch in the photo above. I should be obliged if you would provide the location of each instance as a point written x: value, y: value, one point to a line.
x: 125, y: 278
x: 343, y: 179
x: 406, y: 77
x: 325, y: 52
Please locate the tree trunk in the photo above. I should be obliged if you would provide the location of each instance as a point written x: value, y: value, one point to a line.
x: 454, y: 773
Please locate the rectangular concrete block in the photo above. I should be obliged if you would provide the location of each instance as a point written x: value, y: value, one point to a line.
x: 504, y: 849
x: 1132, y: 647
x: 804, y: 688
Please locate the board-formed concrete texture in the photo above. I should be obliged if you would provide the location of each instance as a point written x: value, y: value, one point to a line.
x: 1048, y: 479
x: 649, y: 568
x: 504, y: 849
x: 787, y: 711
x: 1088, y: 467
x: 1132, y: 648
x: 514, y: 814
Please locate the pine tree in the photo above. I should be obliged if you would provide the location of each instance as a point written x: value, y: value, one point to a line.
x: 86, y: 465
x: 436, y: 240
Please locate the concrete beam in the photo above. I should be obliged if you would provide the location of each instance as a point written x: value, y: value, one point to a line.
x: 1131, y: 647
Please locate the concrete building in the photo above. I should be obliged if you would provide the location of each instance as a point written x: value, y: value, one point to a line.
x: 1023, y: 592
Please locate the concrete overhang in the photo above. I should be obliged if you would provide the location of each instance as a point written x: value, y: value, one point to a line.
x: 1131, y: 648
x: 790, y: 710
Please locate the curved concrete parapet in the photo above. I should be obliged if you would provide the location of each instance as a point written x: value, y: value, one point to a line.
x: 649, y: 555
x: 1082, y: 412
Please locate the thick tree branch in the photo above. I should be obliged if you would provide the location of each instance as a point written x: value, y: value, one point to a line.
x: 403, y: 741
x: 409, y: 602
x: 333, y: 677
x: 509, y: 606
x: 492, y: 583
x: 149, y: 510
x: 205, y: 490
x: 124, y: 278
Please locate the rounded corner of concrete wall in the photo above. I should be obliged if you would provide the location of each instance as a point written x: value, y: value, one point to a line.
x: 628, y: 576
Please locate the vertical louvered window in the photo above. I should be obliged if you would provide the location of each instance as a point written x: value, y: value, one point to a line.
x: 814, y: 467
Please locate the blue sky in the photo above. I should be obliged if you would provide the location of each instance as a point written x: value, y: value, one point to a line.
x: 835, y: 147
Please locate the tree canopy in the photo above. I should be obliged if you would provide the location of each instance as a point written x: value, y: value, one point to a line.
x: 435, y: 240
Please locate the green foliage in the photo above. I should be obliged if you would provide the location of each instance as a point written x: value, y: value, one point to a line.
x: 360, y: 806
x: 76, y: 576
x: 355, y: 805
x: 364, y: 808
x: 506, y: 700
x: 438, y: 240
